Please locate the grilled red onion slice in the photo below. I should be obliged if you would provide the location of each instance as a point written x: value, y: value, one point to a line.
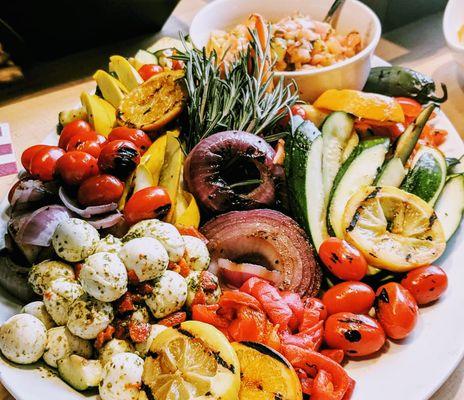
x: 106, y: 221
x: 236, y: 274
x: 87, y: 212
x: 28, y: 192
x: 217, y: 167
x: 267, y: 238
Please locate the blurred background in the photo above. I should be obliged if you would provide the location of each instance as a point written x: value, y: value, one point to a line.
x: 45, y: 44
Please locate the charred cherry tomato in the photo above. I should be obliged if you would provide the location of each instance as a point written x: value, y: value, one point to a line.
x: 426, y: 284
x: 396, y: 310
x: 411, y: 108
x: 149, y: 70
x: 355, y: 297
x: 100, y: 189
x: 136, y: 136
x: 30, y: 152
x: 119, y: 158
x: 342, y: 259
x: 148, y: 203
x: 43, y: 164
x: 88, y: 142
x: 71, y: 129
x: 358, y: 335
x: 76, y: 166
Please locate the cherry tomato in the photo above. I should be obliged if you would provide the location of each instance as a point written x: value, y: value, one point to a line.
x: 358, y: 335
x: 119, y: 158
x: 426, y: 284
x: 30, y: 152
x: 148, y: 203
x: 411, y: 108
x: 76, y: 166
x: 136, y: 136
x: 355, y: 297
x: 88, y: 142
x: 100, y: 189
x: 43, y: 164
x: 177, y: 64
x: 71, y: 129
x: 396, y: 310
x: 298, y: 110
x: 149, y: 70
x: 342, y: 259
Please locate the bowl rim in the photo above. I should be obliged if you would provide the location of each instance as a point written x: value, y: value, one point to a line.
x: 365, y: 52
x: 454, y: 44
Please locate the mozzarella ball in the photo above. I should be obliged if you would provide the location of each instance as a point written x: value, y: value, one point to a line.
x: 114, y: 346
x: 140, y: 315
x: 196, y: 253
x: 75, y: 239
x: 145, y: 256
x: 59, y: 298
x: 38, y: 310
x: 62, y: 343
x: 109, y: 244
x: 42, y: 275
x: 166, y: 233
x: 169, y: 294
x: 104, y: 276
x: 88, y: 317
x: 122, y: 377
x: 23, y: 338
x: 144, y: 347
x: 203, y: 281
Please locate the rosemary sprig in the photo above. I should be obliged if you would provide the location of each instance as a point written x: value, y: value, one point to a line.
x: 234, y: 98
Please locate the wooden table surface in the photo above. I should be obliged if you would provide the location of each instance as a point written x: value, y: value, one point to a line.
x: 420, y: 45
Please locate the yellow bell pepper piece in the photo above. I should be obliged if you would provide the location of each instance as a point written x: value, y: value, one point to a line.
x: 187, y: 212
x: 112, y: 90
x: 363, y: 105
x: 101, y: 114
x: 126, y: 73
x: 128, y: 189
x: 153, y: 159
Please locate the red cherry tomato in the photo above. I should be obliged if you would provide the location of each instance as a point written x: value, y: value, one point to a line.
x: 43, y: 164
x: 396, y: 310
x: 30, y: 152
x: 411, y: 108
x: 119, y: 158
x: 100, y: 189
x: 177, y: 64
x: 69, y: 130
x: 298, y: 110
x: 88, y: 142
x: 355, y: 297
x: 149, y: 70
x: 342, y: 259
x: 136, y: 136
x: 151, y: 202
x: 358, y: 335
x: 76, y: 166
x: 426, y: 284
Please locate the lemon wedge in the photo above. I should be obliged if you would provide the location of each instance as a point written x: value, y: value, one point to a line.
x: 395, y: 230
x: 193, y: 362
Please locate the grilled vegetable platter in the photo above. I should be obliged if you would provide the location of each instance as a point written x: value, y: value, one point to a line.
x: 195, y: 231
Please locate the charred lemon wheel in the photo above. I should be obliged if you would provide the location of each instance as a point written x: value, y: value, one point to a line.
x: 154, y: 103
x: 395, y: 230
x: 266, y: 374
x: 193, y: 361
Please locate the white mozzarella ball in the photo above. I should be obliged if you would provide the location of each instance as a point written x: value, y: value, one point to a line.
x: 109, y: 244
x: 43, y: 274
x: 166, y: 233
x: 38, y: 310
x: 104, y: 276
x: 88, y: 317
x: 169, y: 294
x: 62, y: 343
x: 205, y: 281
x: 114, y: 346
x: 122, y: 377
x: 145, y: 256
x: 59, y: 297
x: 144, y: 347
x: 23, y: 338
x: 75, y: 239
x: 196, y: 253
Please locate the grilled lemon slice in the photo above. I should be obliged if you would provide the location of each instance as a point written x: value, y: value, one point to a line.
x: 266, y: 374
x: 395, y: 230
x: 194, y: 361
x: 154, y: 103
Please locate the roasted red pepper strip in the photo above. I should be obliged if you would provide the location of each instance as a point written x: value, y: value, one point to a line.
x: 173, y: 319
x: 208, y: 314
x: 192, y: 231
x: 234, y: 298
x: 293, y: 300
x: 249, y: 325
x: 126, y: 303
x: 308, y: 339
x: 104, y: 336
x: 335, y: 354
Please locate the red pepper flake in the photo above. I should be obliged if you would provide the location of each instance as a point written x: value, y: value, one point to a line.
x: 139, y: 331
x: 173, y: 319
x: 104, y: 336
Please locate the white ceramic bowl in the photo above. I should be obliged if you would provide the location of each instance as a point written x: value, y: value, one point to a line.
x: 349, y: 74
x: 452, y: 22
